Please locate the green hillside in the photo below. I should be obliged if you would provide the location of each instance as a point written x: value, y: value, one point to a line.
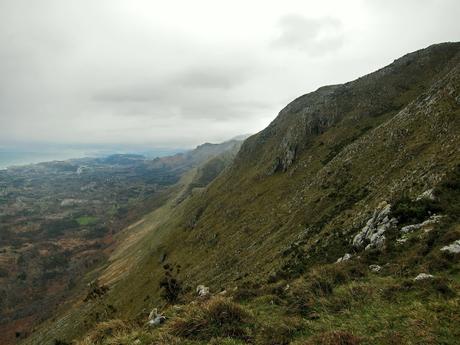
x: 366, y: 173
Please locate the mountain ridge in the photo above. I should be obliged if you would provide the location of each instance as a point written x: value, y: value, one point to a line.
x: 275, y: 222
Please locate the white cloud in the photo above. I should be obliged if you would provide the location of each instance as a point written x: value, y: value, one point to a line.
x: 315, y: 36
x: 179, y: 73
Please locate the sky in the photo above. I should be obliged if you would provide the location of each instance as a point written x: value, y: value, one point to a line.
x: 180, y: 73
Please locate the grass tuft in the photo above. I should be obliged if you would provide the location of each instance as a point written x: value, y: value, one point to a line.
x: 218, y: 317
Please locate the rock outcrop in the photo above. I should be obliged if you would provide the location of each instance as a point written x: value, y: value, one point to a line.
x: 427, y: 224
x: 372, y: 235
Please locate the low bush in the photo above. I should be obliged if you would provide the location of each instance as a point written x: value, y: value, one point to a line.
x: 408, y: 211
x: 171, y: 286
x: 95, y: 291
x: 217, y: 317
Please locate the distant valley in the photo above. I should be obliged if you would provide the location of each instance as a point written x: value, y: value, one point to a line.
x: 58, y: 219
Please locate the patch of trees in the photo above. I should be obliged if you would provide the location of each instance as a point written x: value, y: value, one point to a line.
x: 58, y: 227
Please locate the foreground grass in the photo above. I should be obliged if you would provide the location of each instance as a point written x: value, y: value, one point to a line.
x: 372, y: 309
x: 313, y: 302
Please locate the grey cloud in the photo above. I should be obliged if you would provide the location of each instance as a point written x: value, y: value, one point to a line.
x: 199, y: 92
x: 143, y: 72
x: 315, y: 36
x: 217, y: 77
x: 184, y: 102
x: 202, y: 79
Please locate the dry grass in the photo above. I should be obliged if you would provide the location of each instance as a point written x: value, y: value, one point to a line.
x: 105, y: 330
x: 334, y: 338
x: 218, y: 317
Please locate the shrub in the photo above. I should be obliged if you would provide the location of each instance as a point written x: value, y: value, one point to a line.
x: 96, y: 291
x: 217, y: 317
x: 409, y: 211
x: 449, y: 192
x: 170, y: 285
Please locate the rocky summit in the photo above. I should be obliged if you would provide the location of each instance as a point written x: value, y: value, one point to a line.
x: 339, y: 223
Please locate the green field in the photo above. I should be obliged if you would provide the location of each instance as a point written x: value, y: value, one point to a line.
x: 86, y: 220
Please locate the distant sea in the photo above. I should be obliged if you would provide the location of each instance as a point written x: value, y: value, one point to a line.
x: 8, y: 159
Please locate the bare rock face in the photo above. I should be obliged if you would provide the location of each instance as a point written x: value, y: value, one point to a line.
x: 453, y: 248
x: 372, y: 235
x: 285, y: 160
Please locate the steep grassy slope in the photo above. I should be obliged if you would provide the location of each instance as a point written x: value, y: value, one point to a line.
x: 200, y: 167
x: 274, y: 223
x: 339, y: 173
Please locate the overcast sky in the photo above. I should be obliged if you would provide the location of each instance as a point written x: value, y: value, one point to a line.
x: 179, y: 73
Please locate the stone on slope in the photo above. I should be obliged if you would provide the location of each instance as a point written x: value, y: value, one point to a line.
x: 426, y: 224
x: 346, y: 257
x: 423, y: 276
x: 453, y: 248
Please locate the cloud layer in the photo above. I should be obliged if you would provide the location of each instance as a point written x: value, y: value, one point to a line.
x: 178, y: 73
